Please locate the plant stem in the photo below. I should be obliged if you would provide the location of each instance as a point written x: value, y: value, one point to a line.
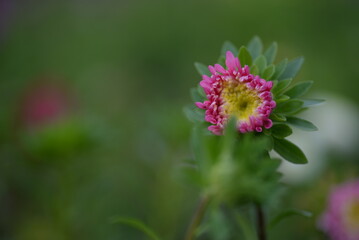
x: 261, y: 228
x: 197, y: 218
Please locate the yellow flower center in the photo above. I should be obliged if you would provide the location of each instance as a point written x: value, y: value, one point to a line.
x: 352, y: 215
x: 240, y: 101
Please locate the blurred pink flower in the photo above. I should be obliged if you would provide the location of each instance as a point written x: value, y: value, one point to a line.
x: 236, y: 92
x: 45, y: 102
x: 341, y: 218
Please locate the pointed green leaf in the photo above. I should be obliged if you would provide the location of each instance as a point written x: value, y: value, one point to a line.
x: 288, y: 107
x: 282, y: 98
x: 299, y: 89
x: 277, y: 117
x: 312, y: 102
x: 302, y: 124
x: 292, y: 68
x: 281, y: 86
x: 288, y: 213
x: 289, y: 151
x: 201, y: 92
x: 196, y: 97
x: 222, y: 61
x: 138, y: 225
x: 254, y: 70
x: 193, y: 113
x: 279, y: 69
x: 268, y: 72
x: 228, y: 46
x: 281, y: 130
x: 202, y: 69
x: 271, y: 52
x: 255, y: 47
x: 261, y: 63
x: 244, y: 57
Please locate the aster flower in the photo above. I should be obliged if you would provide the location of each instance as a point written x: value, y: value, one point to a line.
x: 236, y: 92
x: 247, y: 85
x: 341, y: 218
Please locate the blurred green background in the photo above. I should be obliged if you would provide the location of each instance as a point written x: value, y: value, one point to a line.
x: 91, y: 97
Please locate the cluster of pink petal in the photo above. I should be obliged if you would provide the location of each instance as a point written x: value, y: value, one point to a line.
x: 213, y: 86
x: 333, y: 221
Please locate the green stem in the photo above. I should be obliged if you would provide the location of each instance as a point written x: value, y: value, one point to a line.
x: 261, y: 228
x: 197, y: 218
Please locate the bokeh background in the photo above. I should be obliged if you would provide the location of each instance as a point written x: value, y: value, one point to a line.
x: 91, y: 98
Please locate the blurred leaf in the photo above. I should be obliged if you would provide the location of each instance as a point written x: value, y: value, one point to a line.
x: 312, y: 102
x: 193, y: 113
x: 244, y: 56
x: 254, y: 70
x: 299, y: 89
x: 302, y: 124
x: 202, y: 69
x: 268, y: 72
x: 201, y: 92
x: 255, y: 47
x: 281, y: 130
x: 196, y: 97
x: 282, y: 98
x: 261, y: 63
x: 289, y: 151
x: 271, y: 52
x: 228, y: 46
x: 281, y: 86
x: 278, y: 117
x: 279, y: 69
x: 222, y: 61
x: 247, y: 228
x: 138, y: 225
x: 288, y: 213
x: 289, y: 106
x: 292, y: 68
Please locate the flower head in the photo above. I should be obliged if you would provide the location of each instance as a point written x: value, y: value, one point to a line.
x: 341, y: 219
x: 236, y: 92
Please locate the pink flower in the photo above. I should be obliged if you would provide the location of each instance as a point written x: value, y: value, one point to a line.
x: 341, y: 218
x: 236, y: 92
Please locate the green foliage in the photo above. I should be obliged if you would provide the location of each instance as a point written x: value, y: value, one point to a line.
x: 281, y: 130
x: 244, y: 56
x: 289, y: 151
x: 261, y: 63
x: 288, y: 213
x: 299, y: 89
x: 302, y: 124
x: 255, y: 47
x: 137, y: 225
x: 201, y: 68
x: 271, y: 52
x: 228, y: 46
x: 292, y: 68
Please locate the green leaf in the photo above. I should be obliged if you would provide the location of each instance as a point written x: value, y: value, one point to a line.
x: 196, y: 97
x: 261, y: 63
x: 255, y: 47
x: 193, y: 113
x: 288, y: 213
x: 281, y: 130
x: 202, y: 69
x: 288, y: 107
x: 289, y: 151
x: 302, y: 124
x: 244, y: 57
x: 138, y: 225
x: 299, y: 89
x: 278, y: 117
x: 221, y: 61
x: 292, y: 68
x: 254, y: 70
x: 268, y: 72
x: 228, y: 46
x: 312, y: 102
x: 271, y: 52
x: 281, y: 99
x: 201, y: 92
x: 246, y: 227
x: 281, y: 86
x: 279, y: 69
